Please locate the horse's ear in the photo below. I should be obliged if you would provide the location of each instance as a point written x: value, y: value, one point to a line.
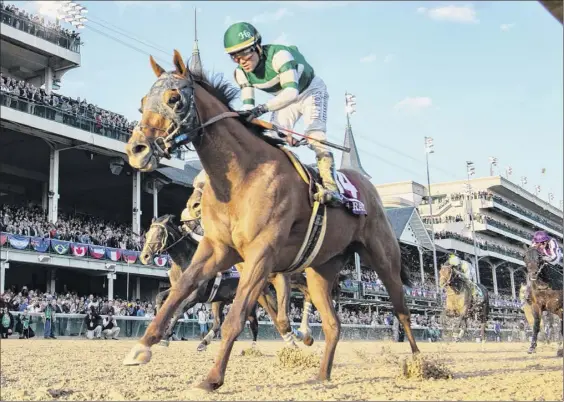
x: 179, y: 63
x: 156, y: 68
x: 153, y: 220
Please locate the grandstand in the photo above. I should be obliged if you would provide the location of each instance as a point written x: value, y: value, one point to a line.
x: 68, y: 158
x: 505, y: 216
x: 72, y: 208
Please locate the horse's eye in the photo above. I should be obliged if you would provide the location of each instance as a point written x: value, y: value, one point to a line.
x: 173, y: 99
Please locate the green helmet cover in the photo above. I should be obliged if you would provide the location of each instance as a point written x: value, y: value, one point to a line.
x: 240, y: 36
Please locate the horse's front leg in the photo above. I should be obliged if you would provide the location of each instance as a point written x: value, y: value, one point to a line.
x: 462, y: 325
x: 209, y: 259
x: 536, y: 327
x: 185, y: 305
x: 160, y: 297
x: 216, y: 311
x: 251, y: 284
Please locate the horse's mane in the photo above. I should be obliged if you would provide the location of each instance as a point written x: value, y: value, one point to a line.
x: 226, y: 93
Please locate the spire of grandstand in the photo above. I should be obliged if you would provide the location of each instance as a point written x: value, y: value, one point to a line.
x: 351, y: 160
x: 195, y: 62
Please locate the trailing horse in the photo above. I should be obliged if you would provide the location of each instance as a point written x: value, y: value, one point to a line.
x: 542, y: 297
x: 461, y: 303
x: 259, y: 210
x: 163, y: 235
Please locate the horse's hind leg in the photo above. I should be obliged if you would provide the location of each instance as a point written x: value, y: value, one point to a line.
x: 320, y: 284
x: 304, y: 333
x: 159, y: 299
x: 267, y: 301
x: 387, y: 264
x: 216, y: 311
x: 253, y: 324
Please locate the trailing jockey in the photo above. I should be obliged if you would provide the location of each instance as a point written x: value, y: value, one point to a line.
x: 284, y: 72
x: 466, y: 271
x: 550, y: 252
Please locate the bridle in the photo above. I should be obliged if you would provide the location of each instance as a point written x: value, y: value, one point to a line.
x: 164, y: 239
x: 185, y: 126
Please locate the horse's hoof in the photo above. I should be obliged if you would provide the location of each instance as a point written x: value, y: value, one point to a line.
x: 139, y: 354
x: 253, y: 345
x: 531, y: 350
x: 164, y: 343
x: 559, y: 353
x: 202, y: 347
x: 208, y: 386
x: 308, y: 339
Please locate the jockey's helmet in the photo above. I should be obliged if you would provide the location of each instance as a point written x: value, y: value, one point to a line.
x: 540, y: 237
x: 454, y: 260
x: 240, y: 36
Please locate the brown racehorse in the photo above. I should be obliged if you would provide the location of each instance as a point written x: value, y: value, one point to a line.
x: 257, y: 211
x: 543, y: 298
x: 163, y: 235
x: 460, y: 303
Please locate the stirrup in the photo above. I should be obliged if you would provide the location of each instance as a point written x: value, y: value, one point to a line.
x: 328, y: 197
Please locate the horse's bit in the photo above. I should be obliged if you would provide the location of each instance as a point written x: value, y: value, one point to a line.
x: 164, y: 240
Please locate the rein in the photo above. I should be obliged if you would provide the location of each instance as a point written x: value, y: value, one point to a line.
x: 164, y: 240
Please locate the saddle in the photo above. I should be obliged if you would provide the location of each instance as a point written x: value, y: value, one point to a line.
x: 310, y: 175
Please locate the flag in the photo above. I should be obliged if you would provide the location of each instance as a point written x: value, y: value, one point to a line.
x: 130, y: 256
x: 79, y: 249
x: 113, y: 254
x: 3, y: 238
x: 543, y: 170
x: 60, y: 246
x: 40, y: 244
x: 97, y: 252
x: 160, y: 260
x: 18, y: 241
x: 350, y: 104
x: 470, y: 168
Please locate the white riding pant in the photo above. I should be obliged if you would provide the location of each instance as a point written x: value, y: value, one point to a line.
x: 312, y: 105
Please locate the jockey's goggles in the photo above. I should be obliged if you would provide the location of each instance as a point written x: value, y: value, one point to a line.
x: 243, y: 55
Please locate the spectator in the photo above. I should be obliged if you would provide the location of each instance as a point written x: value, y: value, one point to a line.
x: 203, y: 321
x: 93, y: 327
x: 23, y: 325
x: 49, y: 311
x: 6, y: 323
x: 110, y: 327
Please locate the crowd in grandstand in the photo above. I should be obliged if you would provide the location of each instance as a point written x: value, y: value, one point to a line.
x: 481, y: 218
x: 481, y: 243
x: 28, y: 98
x: 38, y: 26
x: 31, y: 220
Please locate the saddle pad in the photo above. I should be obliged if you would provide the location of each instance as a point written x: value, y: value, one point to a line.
x: 350, y: 194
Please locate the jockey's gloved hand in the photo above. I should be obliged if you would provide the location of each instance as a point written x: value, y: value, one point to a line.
x: 254, y: 113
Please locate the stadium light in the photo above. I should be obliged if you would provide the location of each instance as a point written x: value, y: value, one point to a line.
x: 71, y: 12
x: 470, y: 171
x: 429, y: 149
x: 493, y: 162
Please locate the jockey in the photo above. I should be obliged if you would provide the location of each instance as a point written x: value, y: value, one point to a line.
x: 466, y: 272
x: 284, y: 72
x: 548, y: 247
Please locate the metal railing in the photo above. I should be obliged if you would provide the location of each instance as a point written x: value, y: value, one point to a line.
x: 69, y: 117
x: 59, y: 115
x: 74, y: 325
x: 55, y: 36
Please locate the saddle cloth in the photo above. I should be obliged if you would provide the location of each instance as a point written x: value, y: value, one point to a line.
x: 310, y: 175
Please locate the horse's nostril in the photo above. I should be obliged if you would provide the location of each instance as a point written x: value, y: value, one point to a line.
x: 137, y: 149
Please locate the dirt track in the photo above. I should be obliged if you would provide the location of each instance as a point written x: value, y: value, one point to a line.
x: 92, y: 370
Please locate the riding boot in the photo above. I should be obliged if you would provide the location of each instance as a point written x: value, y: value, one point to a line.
x: 329, y: 194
